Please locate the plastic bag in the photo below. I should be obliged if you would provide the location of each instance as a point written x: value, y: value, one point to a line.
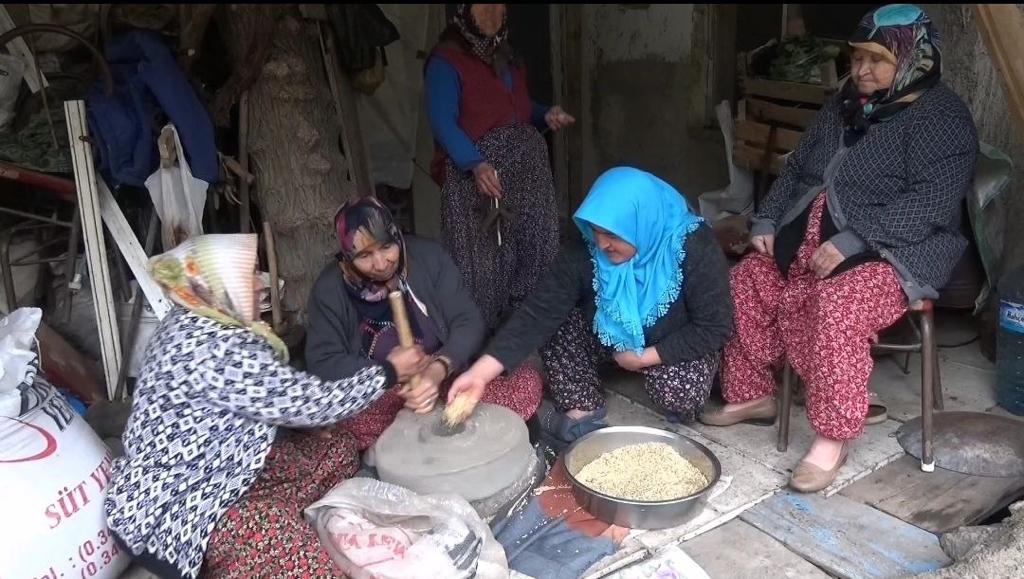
x: 17, y: 338
x: 179, y: 198
x: 738, y: 197
x: 376, y: 530
x: 670, y: 563
x: 12, y: 71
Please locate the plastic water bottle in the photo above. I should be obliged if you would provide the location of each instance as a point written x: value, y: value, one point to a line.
x: 1010, y: 353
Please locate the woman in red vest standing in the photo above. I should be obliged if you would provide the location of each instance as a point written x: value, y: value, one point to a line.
x: 499, y: 218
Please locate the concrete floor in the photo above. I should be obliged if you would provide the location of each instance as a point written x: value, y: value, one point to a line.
x: 727, y: 546
x: 738, y: 549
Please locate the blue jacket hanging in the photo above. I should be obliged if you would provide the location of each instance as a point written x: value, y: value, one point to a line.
x: 125, y: 126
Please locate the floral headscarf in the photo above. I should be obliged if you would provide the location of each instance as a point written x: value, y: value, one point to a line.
x: 212, y: 276
x: 904, y: 35
x: 493, y: 50
x: 359, y: 222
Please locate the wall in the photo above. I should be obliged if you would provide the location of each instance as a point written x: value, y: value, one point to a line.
x: 645, y: 71
x: 968, y: 69
x: 426, y: 193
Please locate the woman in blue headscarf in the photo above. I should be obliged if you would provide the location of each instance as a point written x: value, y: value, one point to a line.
x: 646, y: 284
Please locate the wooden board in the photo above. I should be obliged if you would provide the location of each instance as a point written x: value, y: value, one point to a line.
x: 787, y: 91
x: 1002, y: 29
x: 95, y: 246
x: 132, y: 251
x: 773, y: 113
x: 938, y: 501
x: 752, y: 159
x: 847, y: 538
x: 756, y: 134
x: 737, y: 549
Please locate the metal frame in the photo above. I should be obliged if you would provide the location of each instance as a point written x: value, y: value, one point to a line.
x: 931, y: 385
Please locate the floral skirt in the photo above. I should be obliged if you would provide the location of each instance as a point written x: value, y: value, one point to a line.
x: 264, y: 534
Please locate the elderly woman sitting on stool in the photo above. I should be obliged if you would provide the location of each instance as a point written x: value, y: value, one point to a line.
x: 863, y: 221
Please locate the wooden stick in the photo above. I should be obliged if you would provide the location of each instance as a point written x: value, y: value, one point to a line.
x: 243, y: 160
x: 405, y: 337
x: 275, y: 297
x: 345, y: 101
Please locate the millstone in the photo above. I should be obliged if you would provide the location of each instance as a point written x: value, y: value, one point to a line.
x: 485, y: 455
x: 974, y: 443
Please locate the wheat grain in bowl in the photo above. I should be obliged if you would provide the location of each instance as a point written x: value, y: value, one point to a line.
x: 650, y: 471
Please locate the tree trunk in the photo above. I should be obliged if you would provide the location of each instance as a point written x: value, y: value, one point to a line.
x: 293, y: 145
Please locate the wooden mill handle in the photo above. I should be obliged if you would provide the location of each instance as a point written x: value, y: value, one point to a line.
x: 401, y: 316
x: 405, y: 339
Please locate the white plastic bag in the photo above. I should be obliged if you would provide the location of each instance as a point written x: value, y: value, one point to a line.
x: 12, y: 71
x: 669, y: 563
x: 738, y: 197
x: 179, y: 198
x: 376, y: 530
x: 17, y: 358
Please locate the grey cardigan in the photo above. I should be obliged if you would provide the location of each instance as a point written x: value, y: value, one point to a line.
x: 897, y: 192
x: 333, y: 344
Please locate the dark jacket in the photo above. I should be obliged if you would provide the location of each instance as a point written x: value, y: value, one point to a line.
x: 897, y: 192
x: 334, y: 343
x: 697, y: 324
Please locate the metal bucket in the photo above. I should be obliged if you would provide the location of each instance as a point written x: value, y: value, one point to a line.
x: 640, y: 514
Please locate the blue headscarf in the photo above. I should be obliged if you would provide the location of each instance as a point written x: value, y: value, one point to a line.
x: 653, y: 217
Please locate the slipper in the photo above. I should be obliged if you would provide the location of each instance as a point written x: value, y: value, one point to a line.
x: 877, y: 414
x: 559, y: 431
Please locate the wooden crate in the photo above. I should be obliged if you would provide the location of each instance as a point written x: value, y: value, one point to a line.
x: 776, y: 112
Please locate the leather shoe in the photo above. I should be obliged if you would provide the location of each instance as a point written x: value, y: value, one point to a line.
x: 762, y: 413
x: 809, y: 478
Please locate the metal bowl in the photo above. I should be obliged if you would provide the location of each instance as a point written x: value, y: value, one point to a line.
x: 639, y: 514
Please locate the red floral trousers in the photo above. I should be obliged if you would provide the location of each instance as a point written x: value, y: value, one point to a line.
x: 264, y: 534
x: 824, y: 327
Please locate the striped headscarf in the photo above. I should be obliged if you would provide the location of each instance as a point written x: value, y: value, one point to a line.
x: 213, y: 276
x: 905, y: 36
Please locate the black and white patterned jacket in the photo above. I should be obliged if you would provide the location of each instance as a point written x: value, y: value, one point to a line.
x: 206, y: 410
x: 897, y: 192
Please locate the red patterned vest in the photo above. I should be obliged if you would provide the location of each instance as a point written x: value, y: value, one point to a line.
x: 485, y: 103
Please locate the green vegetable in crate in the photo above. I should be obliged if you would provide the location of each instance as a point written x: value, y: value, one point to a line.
x: 799, y: 59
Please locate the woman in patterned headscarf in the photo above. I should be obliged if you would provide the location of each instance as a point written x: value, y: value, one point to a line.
x: 491, y: 160
x: 209, y: 477
x: 863, y: 220
x: 351, y: 326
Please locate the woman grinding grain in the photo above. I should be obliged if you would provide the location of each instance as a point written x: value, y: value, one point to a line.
x: 642, y: 285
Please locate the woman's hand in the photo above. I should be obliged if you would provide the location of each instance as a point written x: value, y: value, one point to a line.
x: 764, y: 244
x: 473, y: 382
x: 408, y: 362
x: 825, y: 259
x: 630, y: 361
x: 420, y: 399
x: 487, y: 180
x: 557, y: 119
